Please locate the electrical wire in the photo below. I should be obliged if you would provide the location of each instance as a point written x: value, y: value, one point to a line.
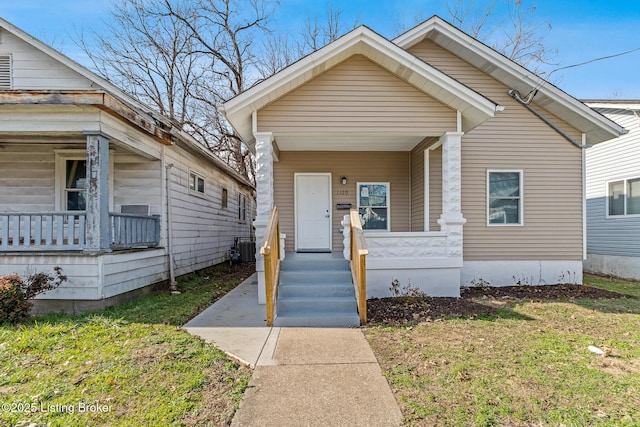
x: 533, y: 91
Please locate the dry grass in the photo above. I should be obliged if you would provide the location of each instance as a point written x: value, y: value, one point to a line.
x: 527, y: 365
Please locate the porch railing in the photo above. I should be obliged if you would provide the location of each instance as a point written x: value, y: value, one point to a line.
x: 270, y: 250
x: 131, y: 231
x: 66, y: 231
x: 359, y: 254
x: 37, y: 231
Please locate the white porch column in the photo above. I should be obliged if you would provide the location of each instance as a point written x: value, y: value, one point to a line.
x: 451, y: 219
x: 264, y: 200
x: 97, y: 223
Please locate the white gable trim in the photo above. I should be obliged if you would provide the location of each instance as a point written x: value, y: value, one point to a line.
x: 362, y: 41
x: 597, y: 127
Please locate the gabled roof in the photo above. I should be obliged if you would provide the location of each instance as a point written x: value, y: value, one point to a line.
x: 597, y: 127
x: 155, y: 119
x: 474, y: 107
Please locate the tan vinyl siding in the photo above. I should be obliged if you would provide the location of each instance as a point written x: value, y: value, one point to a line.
x: 516, y: 140
x: 392, y: 167
x: 357, y: 96
x: 435, y: 188
x: 417, y: 184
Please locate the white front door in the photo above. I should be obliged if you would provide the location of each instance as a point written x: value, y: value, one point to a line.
x: 313, y: 212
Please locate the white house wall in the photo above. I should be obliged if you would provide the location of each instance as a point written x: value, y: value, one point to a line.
x: 32, y: 69
x: 83, y: 273
x: 124, y: 272
x: 203, y: 232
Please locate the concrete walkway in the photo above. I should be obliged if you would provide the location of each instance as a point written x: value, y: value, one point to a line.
x: 302, y: 376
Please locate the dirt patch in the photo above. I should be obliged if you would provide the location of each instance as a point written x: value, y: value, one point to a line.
x: 542, y: 292
x: 401, y: 310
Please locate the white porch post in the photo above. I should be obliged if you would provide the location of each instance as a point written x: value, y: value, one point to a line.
x: 97, y: 222
x: 451, y: 219
x: 264, y: 200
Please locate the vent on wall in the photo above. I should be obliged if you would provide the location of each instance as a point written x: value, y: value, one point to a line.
x: 5, y: 72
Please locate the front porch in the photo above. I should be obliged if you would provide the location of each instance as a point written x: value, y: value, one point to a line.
x: 415, y: 235
x: 67, y: 231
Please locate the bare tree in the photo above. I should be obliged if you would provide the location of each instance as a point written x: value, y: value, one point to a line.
x: 280, y: 51
x: 518, y: 35
x: 184, y: 58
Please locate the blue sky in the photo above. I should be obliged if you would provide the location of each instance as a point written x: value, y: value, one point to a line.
x: 581, y: 30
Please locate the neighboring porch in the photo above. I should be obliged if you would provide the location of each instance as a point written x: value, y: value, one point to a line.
x: 88, y: 203
x: 67, y: 231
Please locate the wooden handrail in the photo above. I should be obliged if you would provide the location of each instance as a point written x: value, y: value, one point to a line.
x: 270, y: 250
x: 359, y: 254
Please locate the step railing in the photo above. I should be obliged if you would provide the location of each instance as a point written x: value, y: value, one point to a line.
x: 270, y: 250
x: 358, y: 264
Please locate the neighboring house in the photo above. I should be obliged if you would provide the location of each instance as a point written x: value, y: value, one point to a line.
x: 458, y: 182
x: 613, y: 195
x: 100, y: 185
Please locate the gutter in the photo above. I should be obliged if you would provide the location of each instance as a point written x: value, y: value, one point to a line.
x: 516, y: 95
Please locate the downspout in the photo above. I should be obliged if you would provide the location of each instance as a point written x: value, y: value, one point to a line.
x: 582, y: 145
x: 173, y: 286
x: 584, y: 199
x: 516, y: 95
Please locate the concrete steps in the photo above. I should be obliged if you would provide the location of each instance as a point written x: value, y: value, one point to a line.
x: 316, y: 291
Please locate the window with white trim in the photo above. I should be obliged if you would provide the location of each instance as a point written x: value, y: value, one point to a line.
x: 504, y: 197
x: 75, y: 187
x: 623, y: 197
x: 196, y: 183
x: 373, y: 205
x: 71, y: 179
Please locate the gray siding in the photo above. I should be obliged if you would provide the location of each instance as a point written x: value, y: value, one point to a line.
x: 610, y: 161
x: 203, y: 231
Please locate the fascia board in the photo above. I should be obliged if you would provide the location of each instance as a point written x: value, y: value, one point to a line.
x: 514, y: 70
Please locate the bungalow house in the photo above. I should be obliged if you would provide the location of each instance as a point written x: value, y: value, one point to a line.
x: 102, y: 186
x: 465, y: 168
x: 613, y: 195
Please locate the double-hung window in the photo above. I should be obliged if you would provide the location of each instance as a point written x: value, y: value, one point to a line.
x: 623, y: 197
x: 75, y: 187
x: 71, y: 179
x: 373, y: 205
x: 504, y: 204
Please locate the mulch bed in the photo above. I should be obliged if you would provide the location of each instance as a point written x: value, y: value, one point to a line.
x: 400, y: 310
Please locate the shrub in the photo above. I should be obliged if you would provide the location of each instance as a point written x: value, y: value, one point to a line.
x: 16, y: 293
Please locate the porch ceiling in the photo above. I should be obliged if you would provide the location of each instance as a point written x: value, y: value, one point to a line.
x: 352, y: 142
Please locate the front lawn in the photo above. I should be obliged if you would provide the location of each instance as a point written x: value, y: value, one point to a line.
x: 128, y: 366
x: 526, y: 365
